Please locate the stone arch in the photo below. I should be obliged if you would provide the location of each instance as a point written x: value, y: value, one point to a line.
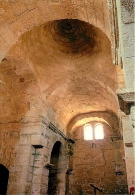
x: 109, y: 118
x: 4, y: 172
x: 56, y: 172
x: 15, y: 24
x: 51, y: 81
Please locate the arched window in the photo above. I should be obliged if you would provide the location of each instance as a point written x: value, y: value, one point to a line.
x: 88, y: 132
x: 92, y: 133
x: 98, y: 131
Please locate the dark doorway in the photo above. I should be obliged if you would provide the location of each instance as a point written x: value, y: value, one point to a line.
x: 53, y: 181
x: 4, y: 174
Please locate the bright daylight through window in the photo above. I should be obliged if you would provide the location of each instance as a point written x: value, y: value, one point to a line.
x: 88, y: 132
x: 96, y: 133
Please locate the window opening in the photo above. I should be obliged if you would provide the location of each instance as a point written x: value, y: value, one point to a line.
x: 98, y: 131
x: 88, y: 132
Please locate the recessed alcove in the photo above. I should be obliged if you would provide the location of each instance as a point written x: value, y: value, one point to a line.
x: 4, y: 175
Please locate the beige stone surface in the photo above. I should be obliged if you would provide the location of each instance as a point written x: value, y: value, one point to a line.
x: 97, y: 161
x: 57, y: 73
x: 32, y: 13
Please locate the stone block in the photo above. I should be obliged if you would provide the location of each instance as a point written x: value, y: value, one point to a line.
x: 43, y: 141
x: 128, y: 136
x: 127, y: 11
x: 15, y: 176
x: 7, y: 34
x: 27, y: 20
x: 14, y: 189
x: 37, y: 170
x: 12, y: 169
x: 23, y: 177
x: 18, y: 168
x: 30, y: 169
x: 3, y: 46
x: 31, y: 129
x: 129, y: 152
x: 31, y: 161
x: 17, y: 28
x: 24, y: 149
x: 45, y: 172
x: 44, y: 189
x: 37, y: 179
x: 38, y: 163
x: 25, y: 168
x: 35, y: 189
x: 126, y: 123
x: 129, y: 71
x: 24, y: 139
x: 35, y: 139
x: 22, y: 159
x: 30, y: 176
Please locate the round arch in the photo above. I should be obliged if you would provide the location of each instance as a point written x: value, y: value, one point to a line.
x: 4, y: 172
x: 56, y: 178
x: 30, y: 14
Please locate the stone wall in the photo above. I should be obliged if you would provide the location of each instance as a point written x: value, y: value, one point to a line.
x: 126, y: 40
x: 128, y: 136
x: 26, y: 155
x: 126, y: 25
x: 99, y: 162
x: 9, y: 137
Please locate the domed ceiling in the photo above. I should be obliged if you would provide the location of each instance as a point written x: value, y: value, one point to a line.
x: 73, y: 36
x: 72, y: 63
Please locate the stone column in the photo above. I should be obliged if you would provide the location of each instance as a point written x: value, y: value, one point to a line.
x: 18, y: 183
x: 126, y: 102
x: 70, y: 143
x: 126, y: 24
x: 37, y: 170
x: 19, y: 175
x: 133, y: 138
x: 120, y: 167
x: 129, y: 150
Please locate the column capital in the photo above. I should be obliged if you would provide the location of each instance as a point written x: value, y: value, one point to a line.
x: 126, y: 101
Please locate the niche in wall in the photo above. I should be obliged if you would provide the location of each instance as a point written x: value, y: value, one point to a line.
x: 55, y: 169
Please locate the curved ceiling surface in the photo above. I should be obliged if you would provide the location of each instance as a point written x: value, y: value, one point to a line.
x: 73, y: 64
x: 18, y: 16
